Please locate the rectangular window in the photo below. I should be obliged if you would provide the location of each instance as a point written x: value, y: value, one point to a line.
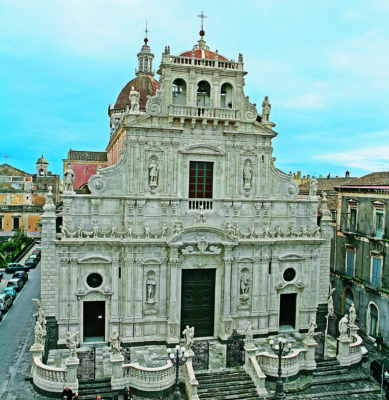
x: 353, y: 220
x: 200, y: 180
x: 379, y: 223
x: 376, y: 272
x: 16, y: 223
x: 1, y: 223
x: 350, y: 257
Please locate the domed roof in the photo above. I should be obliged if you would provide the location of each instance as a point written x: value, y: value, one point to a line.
x: 203, y: 53
x: 146, y: 85
x: 42, y: 160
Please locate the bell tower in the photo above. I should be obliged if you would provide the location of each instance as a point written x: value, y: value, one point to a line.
x: 41, y: 167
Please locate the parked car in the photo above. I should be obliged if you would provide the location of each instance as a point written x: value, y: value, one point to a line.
x: 17, y: 283
x: 13, y: 267
x: 37, y: 253
x: 11, y: 291
x: 22, y: 275
x: 376, y: 369
x: 31, y: 263
x: 5, y: 302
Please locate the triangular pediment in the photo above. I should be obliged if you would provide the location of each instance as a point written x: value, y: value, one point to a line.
x: 202, y: 149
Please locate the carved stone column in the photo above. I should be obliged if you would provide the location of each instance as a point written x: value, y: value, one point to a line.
x: 114, y: 320
x: 256, y: 285
x: 173, y: 322
x: 226, y: 319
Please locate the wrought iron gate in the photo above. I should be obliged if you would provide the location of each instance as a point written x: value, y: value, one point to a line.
x: 235, y: 350
x: 87, y: 367
x: 319, y: 338
x: 201, y: 354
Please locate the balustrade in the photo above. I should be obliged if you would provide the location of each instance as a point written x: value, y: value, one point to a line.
x: 202, y: 62
x: 204, y: 112
x: 199, y: 204
x: 48, y: 378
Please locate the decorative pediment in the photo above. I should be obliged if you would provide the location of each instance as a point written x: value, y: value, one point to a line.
x: 202, y: 149
x: 289, y: 287
x: 94, y: 260
x: 246, y: 260
x: 213, y: 236
x: 152, y: 261
x: 291, y: 257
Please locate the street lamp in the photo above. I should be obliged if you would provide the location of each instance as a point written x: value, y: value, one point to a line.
x: 280, y: 349
x: 178, y: 356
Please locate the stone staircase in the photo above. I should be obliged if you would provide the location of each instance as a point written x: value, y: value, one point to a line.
x: 226, y: 385
x: 332, y: 381
x: 90, y: 389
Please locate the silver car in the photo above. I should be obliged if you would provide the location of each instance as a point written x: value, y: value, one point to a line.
x: 5, y: 302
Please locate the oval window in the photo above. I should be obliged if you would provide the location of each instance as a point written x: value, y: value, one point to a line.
x: 94, y: 280
x: 289, y: 274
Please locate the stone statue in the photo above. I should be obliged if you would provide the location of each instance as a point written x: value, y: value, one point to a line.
x: 153, y: 173
x: 95, y: 230
x: 129, y: 229
x: 266, y: 232
x: 164, y: 229
x: 150, y: 287
x: 80, y: 231
x: 343, y: 327
x: 134, y: 99
x: 147, y: 232
x: 316, y: 232
x: 331, y: 310
x: 68, y: 179
x: 72, y: 342
x: 352, y: 315
x: 189, y: 336
x: 312, y: 187
x: 249, y: 335
x: 244, y: 284
x: 114, y: 340
x: 278, y: 232
x: 304, y: 231
x: 311, y: 328
x: 40, y: 316
x: 247, y: 175
x: 266, y: 108
x: 38, y: 332
x: 113, y: 231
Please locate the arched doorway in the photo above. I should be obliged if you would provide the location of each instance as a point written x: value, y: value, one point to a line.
x: 179, y: 92
x: 226, y: 95
x: 348, y: 300
x: 372, y: 320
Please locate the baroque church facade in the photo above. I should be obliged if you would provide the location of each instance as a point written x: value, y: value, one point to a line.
x: 191, y: 223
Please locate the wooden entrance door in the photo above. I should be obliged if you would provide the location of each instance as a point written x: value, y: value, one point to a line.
x: 198, y: 300
x: 94, y: 319
x: 288, y: 309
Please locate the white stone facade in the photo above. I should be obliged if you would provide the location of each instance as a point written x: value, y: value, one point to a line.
x: 139, y: 230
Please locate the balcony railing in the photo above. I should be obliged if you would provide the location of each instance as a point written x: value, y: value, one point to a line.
x: 201, y: 62
x: 200, y: 204
x: 205, y: 112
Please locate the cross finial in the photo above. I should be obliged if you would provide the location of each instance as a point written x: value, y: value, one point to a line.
x: 202, y: 16
x: 146, y: 30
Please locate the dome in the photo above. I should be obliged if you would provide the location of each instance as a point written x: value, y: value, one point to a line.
x: 42, y: 160
x: 203, y: 53
x: 146, y: 85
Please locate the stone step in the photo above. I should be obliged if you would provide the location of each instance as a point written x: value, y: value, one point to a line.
x: 90, y: 389
x: 327, y: 393
x: 326, y: 372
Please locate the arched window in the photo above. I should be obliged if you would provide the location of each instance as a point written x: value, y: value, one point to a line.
x: 203, y: 94
x: 179, y: 91
x: 226, y: 92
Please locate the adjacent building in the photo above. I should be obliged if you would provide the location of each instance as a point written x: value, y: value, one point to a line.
x: 191, y: 223
x: 22, y: 196
x: 361, y: 265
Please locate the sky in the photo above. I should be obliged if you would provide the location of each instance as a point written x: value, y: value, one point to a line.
x: 323, y: 64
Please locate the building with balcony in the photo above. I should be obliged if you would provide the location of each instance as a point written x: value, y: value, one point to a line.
x: 361, y: 266
x: 191, y: 223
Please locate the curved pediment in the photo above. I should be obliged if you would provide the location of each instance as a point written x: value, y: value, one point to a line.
x: 212, y: 235
x: 291, y: 257
x: 94, y: 260
x: 202, y: 149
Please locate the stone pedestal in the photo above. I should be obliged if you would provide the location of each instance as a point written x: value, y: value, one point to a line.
x: 117, y: 379
x: 353, y: 330
x: 344, y: 351
x: 71, y: 373
x: 251, y: 351
x: 310, y: 346
x: 37, y: 351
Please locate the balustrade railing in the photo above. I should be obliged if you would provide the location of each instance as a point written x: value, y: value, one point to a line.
x: 149, y: 379
x: 200, y: 204
x: 48, y: 378
x: 202, y: 62
x: 205, y: 112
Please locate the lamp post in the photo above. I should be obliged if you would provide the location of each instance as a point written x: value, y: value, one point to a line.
x: 280, y: 349
x: 178, y: 356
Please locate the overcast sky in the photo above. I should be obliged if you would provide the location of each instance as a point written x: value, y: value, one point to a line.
x: 323, y: 64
